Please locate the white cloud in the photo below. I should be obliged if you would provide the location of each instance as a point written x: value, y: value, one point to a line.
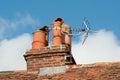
x: 11, y: 52
x: 1, y: 32
x: 17, y: 23
x: 99, y: 47
x: 19, y: 20
x: 23, y: 21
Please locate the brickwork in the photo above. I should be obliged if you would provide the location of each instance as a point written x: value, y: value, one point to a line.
x: 35, y: 62
x: 46, y: 57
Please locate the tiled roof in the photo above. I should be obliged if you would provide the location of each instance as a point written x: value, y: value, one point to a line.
x: 96, y: 71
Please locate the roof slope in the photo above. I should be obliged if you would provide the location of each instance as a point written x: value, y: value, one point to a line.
x: 96, y: 71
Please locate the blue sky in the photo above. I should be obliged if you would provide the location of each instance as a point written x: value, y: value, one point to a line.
x: 102, y: 14
x: 20, y: 18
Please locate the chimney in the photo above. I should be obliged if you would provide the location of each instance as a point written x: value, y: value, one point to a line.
x: 41, y: 56
x: 66, y: 31
x: 40, y: 39
x: 57, y: 35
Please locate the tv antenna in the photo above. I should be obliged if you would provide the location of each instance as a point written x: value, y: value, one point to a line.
x: 85, y: 30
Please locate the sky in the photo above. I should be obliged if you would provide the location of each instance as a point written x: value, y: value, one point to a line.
x: 20, y: 18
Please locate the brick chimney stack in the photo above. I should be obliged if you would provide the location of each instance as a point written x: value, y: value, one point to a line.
x: 41, y: 55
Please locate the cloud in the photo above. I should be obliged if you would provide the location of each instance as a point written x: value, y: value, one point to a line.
x: 99, y: 47
x: 23, y: 21
x: 18, y: 20
x: 11, y: 52
x: 16, y: 24
x: 1, y: 32
x: 14, y: 41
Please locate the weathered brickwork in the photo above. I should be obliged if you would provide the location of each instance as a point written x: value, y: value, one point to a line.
x: 46, y: 57
x: 34, y: 62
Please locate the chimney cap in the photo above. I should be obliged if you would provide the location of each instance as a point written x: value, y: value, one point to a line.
x: 45, y: 28
x: 59, y: 19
